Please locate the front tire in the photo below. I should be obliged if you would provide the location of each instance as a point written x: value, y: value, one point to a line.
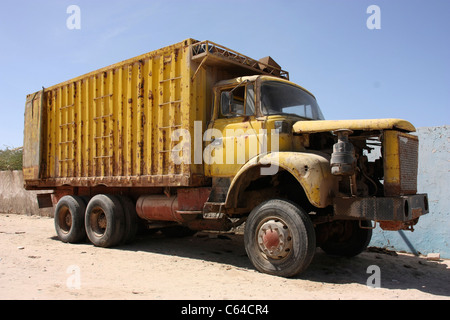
x: 279, y: 238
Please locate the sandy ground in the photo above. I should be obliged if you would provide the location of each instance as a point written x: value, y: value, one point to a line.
x: 34, y: 264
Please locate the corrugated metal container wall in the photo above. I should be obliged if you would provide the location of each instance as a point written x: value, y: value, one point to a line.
x: 113, y: 126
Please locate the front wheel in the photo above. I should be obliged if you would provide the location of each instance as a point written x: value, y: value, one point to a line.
x: 279, y: 238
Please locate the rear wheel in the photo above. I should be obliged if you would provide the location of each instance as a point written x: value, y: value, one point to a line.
x: 131, y: 219
x: 279, y: 238
x: 69, y: 219
x: 105, y: 221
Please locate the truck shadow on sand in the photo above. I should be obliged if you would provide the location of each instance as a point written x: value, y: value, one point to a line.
x: 397, y: 271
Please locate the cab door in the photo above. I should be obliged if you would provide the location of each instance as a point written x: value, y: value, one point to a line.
x: 234, y: 136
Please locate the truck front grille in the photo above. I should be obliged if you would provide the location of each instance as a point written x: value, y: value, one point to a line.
x: 408, y: 163
x: 400, y: 153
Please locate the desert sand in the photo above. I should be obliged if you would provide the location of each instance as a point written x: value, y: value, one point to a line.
x: 34, y: 264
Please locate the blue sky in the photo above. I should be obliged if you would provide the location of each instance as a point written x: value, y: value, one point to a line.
x: 399, y: 71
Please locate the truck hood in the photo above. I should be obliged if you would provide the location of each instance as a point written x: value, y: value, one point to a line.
x: 364, y: 125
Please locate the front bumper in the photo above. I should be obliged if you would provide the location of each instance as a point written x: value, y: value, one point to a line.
x: 393, y: 213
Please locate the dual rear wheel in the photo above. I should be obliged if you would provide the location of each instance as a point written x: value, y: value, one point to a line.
x: 106, y: 220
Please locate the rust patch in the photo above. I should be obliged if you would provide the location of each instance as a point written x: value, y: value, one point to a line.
x: 398, y: 225
x: 391, y: 225
x: 191, y: 199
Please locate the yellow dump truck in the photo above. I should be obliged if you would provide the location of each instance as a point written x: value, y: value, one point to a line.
x: 196, y: 136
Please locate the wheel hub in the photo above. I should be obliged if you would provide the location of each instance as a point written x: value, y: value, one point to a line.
x: 102, y: 221
x: 65, y: 220
x: 274, y: 239
x: 68, y: 220
x: 98, y: 221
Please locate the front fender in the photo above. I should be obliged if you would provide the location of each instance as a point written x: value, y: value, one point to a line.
x: 311, y: 170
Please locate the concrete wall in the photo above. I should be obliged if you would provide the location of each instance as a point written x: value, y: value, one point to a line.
x: 15, y: 199
x: 432, y: 233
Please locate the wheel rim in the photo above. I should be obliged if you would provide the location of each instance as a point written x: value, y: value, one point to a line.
x: 65, y: 219
x: 98, y: 221
x: 274, y: 238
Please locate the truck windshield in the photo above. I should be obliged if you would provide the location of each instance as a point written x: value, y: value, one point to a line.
x: 282, y: 98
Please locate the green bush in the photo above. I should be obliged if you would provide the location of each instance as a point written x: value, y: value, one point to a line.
x: 11, y: 159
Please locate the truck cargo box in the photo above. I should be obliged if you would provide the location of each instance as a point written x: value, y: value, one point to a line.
x: 113, y: 126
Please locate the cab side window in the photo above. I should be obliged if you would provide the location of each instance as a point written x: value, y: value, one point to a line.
x: 239, y: 102
x: 250, y: 101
